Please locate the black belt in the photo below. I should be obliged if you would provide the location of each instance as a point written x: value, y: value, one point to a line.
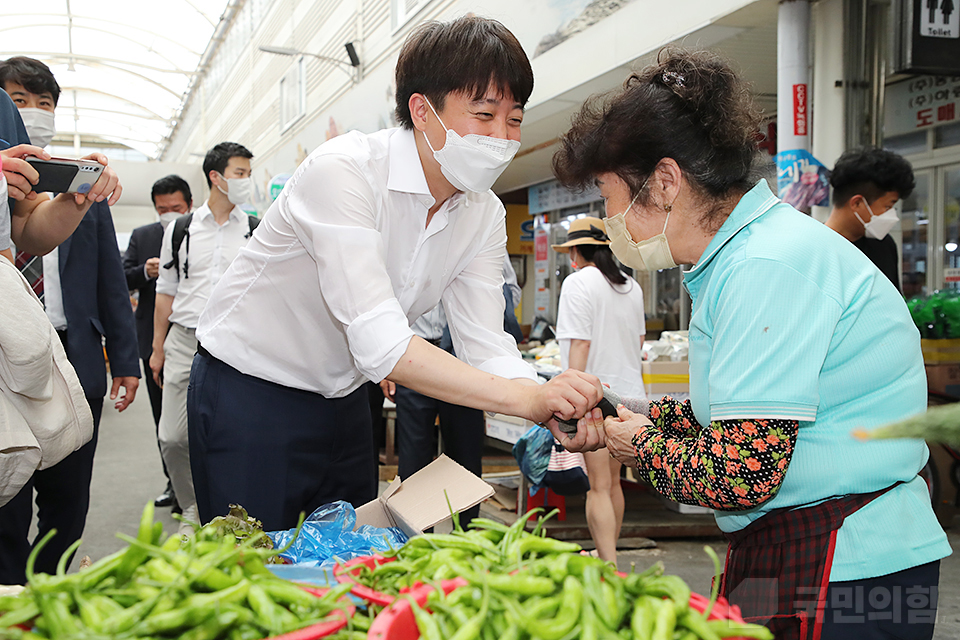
x: 434, y: 341
x: 204, y: 352
x: 62, y: 334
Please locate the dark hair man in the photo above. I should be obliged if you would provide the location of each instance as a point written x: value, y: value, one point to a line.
x: 194, y: 254
x: 87, y: 301
x: 38, y: 223
x: 370, y: 233
x: 867, y: 183
x: 141, y: 262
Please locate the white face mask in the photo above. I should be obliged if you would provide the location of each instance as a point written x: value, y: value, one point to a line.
x: 652, y: 254
x: 879, y: 226
x: 39, y: 125
x: 472, y: 162
x: 167, y: 218
x: 238, y: 190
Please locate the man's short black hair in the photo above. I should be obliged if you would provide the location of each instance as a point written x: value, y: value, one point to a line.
x: 218, y: 158
x: 35, y: 76
x: 870, y: 172
x: 171, y: 184
x: 464, y: 55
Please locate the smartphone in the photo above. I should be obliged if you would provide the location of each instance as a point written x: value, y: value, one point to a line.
x: 63, y: 175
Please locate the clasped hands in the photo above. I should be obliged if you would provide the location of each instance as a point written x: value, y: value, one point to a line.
x: 596, y: 432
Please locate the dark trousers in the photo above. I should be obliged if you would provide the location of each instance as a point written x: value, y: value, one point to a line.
x: 63, y: 497
x: 379, y: 425
x: 901, y: 605
x: 156, y: 400
x: 274, y: 450
x: 462, y: 429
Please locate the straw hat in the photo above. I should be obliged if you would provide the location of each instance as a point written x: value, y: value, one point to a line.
x: 584, y: 231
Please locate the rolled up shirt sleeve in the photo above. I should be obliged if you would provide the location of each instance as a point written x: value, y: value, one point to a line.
x: 168, y: 280
x: 334, y: 211
x: 474, y: 305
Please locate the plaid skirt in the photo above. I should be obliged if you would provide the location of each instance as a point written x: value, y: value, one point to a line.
x: 778, y: 568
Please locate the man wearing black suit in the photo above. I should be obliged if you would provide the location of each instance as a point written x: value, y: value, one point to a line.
x: 141, y: 262
x: 86, y: 299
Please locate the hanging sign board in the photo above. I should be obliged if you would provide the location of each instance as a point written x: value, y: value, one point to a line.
x: 926, y: 36
x: 920, y: 103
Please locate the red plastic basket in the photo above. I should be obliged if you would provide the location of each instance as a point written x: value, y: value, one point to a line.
x: 397, y: 621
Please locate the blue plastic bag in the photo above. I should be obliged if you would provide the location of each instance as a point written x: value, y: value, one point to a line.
x: 532, y: 452
x: 327, y: 537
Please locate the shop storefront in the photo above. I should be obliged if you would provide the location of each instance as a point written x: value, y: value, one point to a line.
x: 922, y: 122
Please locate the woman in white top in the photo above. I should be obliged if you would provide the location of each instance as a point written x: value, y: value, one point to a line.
x: 600, y: 327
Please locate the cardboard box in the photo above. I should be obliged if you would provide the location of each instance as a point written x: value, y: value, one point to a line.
x: 944, y: 378
x: 420, y: 501
x: 506, y: 428
x: 946, y: 351
x: 666, y: 377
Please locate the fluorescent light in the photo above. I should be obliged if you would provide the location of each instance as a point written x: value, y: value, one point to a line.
x: 280, y: 51
x: 950, y: 246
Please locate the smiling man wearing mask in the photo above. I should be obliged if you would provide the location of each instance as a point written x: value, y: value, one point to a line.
x: 195, y: 252
x: 371, y: 232
x: 867, y: 183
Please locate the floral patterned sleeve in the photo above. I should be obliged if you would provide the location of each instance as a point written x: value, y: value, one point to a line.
x: 729, y: 466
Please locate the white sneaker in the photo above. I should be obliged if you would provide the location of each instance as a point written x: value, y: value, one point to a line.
x: 190, y: 515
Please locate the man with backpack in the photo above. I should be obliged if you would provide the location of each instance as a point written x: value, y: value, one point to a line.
x: 196, y: 250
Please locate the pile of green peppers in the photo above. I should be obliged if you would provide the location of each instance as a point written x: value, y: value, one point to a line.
x: 524, y: 586
x: 188, y: 588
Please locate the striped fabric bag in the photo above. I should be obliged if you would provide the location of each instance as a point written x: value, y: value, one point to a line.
x: 567, y: 472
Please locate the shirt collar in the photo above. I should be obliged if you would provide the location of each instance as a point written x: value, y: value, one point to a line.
x: 406, y: 171
x: 752, y: 206
x: 204, y: 212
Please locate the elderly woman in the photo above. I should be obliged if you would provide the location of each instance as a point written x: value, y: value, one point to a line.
x: 795, y: 340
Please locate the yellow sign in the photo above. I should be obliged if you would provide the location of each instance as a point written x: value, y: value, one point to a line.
x: 519, y: 230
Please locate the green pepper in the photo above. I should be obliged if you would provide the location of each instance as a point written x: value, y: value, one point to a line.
x: 644, y: 616
x: 428, y: 627
x: 21, y: 615
x: 730, y: 629
x: 698, y: 625
x: 672, y: 587
x: 271, y: 615
x: 665, y: 622
x: 471, y: 629
x: 212, y: 627
x: 567, y: 617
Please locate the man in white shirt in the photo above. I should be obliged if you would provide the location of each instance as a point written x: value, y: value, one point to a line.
x: 370, y: 233
x: 207, y: 242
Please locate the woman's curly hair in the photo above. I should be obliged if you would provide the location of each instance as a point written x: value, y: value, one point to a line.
x: 689, y: 106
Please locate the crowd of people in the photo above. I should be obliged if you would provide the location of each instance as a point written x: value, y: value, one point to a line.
x: 383, y: 261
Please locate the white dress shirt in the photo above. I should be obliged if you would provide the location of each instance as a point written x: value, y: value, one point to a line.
x: 52, y: 292
x: 430, y: 325
x: 212, y: 248
x: 323, y: 296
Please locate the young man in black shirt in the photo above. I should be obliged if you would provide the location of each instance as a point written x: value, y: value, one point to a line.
x: 867, y: 183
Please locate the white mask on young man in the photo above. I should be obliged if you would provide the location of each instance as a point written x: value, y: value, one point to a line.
x: 39, y: 124
x: 879, y: 225
x: 238, y: 190
x: 472, y: 162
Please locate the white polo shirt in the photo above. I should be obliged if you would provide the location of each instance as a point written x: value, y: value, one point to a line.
x: 212, y: 247
x: 323, y: 296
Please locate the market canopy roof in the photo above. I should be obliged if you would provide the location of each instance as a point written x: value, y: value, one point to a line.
x: 124, y: 66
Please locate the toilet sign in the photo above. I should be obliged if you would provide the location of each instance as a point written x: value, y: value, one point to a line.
x: 939, y: 19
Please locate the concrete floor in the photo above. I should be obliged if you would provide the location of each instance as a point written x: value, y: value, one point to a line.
x: 127, y: 474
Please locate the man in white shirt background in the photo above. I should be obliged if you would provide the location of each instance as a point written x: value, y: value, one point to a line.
x: 171, y: 199
x: 371, y: 232
x: 206, y: 242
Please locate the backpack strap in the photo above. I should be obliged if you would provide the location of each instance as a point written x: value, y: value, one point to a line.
x: 181, y: 229
x: 253, y: 221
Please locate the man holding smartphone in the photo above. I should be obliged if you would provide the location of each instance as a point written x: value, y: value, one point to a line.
x: 85, y: 295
